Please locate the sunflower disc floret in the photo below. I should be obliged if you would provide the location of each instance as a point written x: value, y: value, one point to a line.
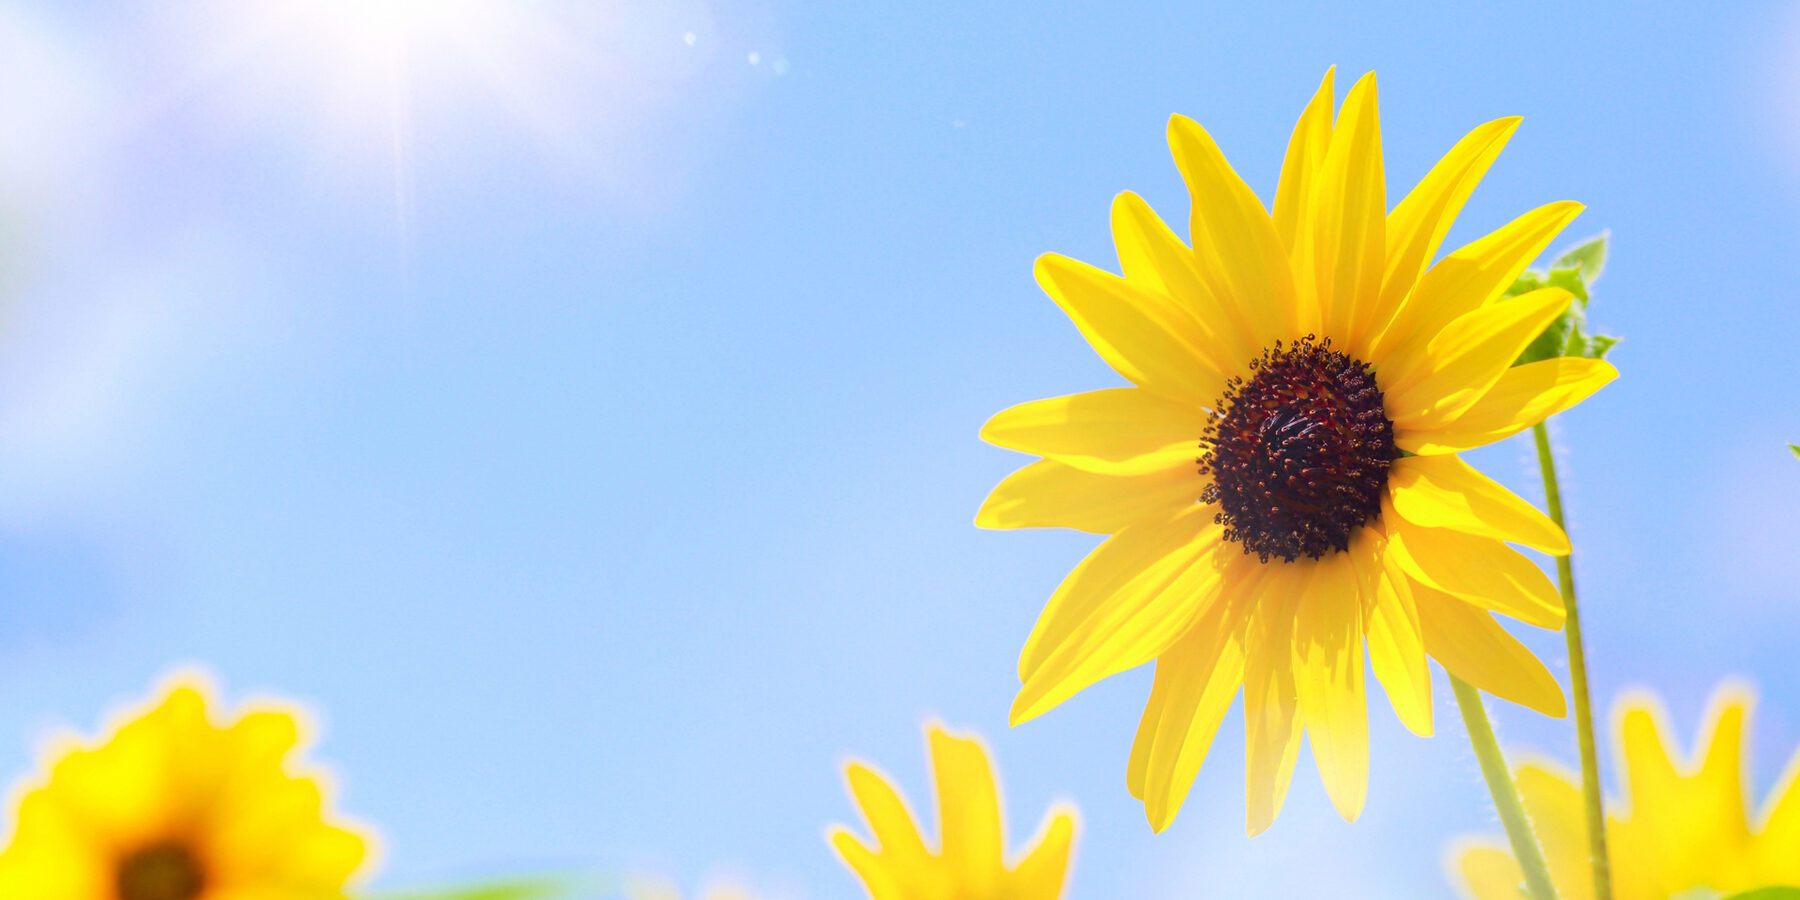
x: 1299, y: 453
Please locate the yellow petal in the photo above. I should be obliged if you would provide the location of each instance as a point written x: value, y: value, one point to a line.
x: 1144, y: 557
x: 1117, y: 431
x: 1553, y: 803
x: 1417, y: 226
x: 1472, y: 646
x: 1328, y: 674
x: 969, y: 810
x: 1466, y: 359
x: 323, y: 855
x: 1470, y: 278
x: 1271, y: 721
x: 1048, y: 494
x: 1241, y: 257
x: 889, y: 820
x: 880, y: 881
x: 1344, y: 232
x: 1152, y: 256
x: 1776, y: 859
x: 1138, y: 333
x: 1479, y: 570
x: 1127, y: 602
x: 1397, y: 650
x: 256, y: 843
x: 970, y: 863
x: 1171, y: 691
x: 1490, y: 873
x: 1176, y: 758
x: 55, y: 875
x: 1524, y: 396
x: 1445, y: 492
x: 267, y: 734
x: 1691, y: 818
x: 1196, y: 680
x: 1305, y: 154
x: 1718, y: 787
x: 1040, y: 875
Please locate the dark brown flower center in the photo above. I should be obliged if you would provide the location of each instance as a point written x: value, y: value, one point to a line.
x: 164, y: 871
x: 1299, y: 453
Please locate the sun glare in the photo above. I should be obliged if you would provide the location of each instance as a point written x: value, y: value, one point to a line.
x: 349, y: 78
x: 353, y: 88
x: 390, y: 17
x: 346, y: 70
x: 365, y: 44
x: 387, y: 26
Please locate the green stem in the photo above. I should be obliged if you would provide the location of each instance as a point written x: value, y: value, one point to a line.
x: 1578, y: 682
x: 1506, y: 795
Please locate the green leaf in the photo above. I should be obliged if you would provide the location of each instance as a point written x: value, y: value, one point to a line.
x: 1768, y: 893
x: 1526, y: 283
x: 1796, y: 449
x: 1552, y: 343
x: 1569, y: 279
x: 1589, y: 257
x: 1573, y: 271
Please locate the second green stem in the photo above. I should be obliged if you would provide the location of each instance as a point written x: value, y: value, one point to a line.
x: 1538, y: 885
x: 1578, y: 681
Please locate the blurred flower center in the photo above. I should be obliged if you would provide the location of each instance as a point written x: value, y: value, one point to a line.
x: 165, y: 871
x: 1299, y: 453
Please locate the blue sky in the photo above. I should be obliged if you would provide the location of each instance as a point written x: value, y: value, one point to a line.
x: 585, y: 421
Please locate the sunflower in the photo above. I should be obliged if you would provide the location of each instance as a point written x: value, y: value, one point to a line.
x: 1281, y: 482
x: 969, y: 865
x: 174, y: 807
x: 1685, y: 831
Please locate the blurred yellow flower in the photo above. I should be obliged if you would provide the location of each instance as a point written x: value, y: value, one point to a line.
x: 174, y: 807
x: 970, y: 863
x: 1326, y: 377
x: 1683, y: 828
